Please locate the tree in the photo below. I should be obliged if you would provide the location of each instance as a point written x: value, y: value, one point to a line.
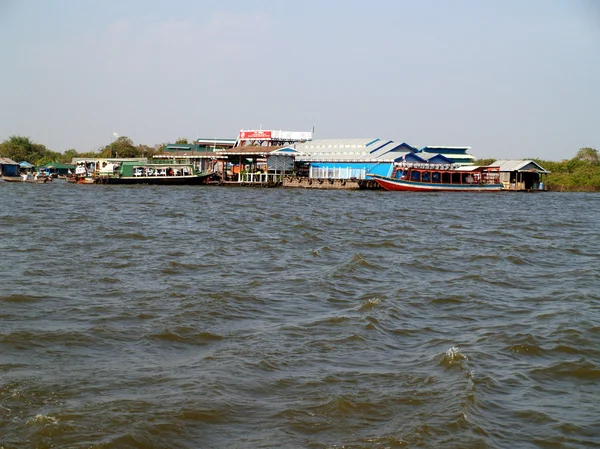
x: 145, y: 150
x: 182, y: 141
x: 483, y: 162
x: 122, y: 147
x: 159, y: 148
x: 20, y: 148
x: 68, y: 156
x: 588, y: 155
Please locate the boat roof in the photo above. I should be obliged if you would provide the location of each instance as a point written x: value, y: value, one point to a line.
x: 476, y: 167
x: 148, y: 164
x: 86, y: 160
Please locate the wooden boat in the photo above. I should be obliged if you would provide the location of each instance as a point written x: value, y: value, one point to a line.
x: 159, y: 173
x: 81, y: 179
x: 28, y: 178
x: 441, y: 178
x: 8, y: 178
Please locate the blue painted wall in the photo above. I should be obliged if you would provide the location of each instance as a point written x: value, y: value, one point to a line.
x: 9, y: 169
x: 383, y: 168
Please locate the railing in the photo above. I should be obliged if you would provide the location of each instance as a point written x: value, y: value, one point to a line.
x: 260, y: 178
x: 337, y: 173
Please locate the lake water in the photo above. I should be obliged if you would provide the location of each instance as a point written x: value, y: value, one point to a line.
x: 211, y: 317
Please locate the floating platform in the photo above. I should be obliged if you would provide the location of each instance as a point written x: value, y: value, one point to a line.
x: 330, y: 184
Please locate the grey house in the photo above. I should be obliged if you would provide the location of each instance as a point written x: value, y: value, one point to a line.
x: 521, y: 175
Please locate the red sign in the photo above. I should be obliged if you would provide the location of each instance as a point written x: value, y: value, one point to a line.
x: 255, y: 135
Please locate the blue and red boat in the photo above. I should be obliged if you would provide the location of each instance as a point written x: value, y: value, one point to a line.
x: 441, y: 178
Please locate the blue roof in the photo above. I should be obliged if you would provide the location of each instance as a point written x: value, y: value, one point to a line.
x: 436, y: 158
x: 410, y: 147
x: 436, y: 149
x: 285, y: 150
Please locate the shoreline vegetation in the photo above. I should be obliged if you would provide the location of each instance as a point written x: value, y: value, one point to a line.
x: 579, y: 174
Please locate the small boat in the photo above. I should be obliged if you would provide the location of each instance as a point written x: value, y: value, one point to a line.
x: 82, y: 175
x: 81, y: 179
x: 441, y: 178
x: 9, y: 178
x: 28, y: 178
x: 158, y: 173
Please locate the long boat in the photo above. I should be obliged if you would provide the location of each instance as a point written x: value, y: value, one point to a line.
x: 158, y: 173
x: 28, y: 178
x: 441, y: 178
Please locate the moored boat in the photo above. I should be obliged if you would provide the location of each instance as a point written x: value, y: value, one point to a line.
x: 82, y: 175
x: 441, y: 178
x: 81, y: 179
x: 159, y: 173
x: 28, y: 178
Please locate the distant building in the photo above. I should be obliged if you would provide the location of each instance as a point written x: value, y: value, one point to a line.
x: 58, y: 168
x: 199, y: 146
x: 271, y: 138
x: 458, y: 155
x: 521, y: 174
x: 354, y: 158
x: 8, y: 167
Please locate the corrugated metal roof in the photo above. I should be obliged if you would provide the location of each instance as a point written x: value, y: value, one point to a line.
x: 211, y: 140
x: 58, y: 165
x: 380, y: 144
x: 249, y: 150
x: 429, y: 156
x: 346, y: 157
x: 7, y: 161
x: 328, y: 144
x: 519, y: 165
x: 404, y: 144
x: 389, y: 146
x: 436, y: 148
x: 391, y: 154
x: 200, y: 155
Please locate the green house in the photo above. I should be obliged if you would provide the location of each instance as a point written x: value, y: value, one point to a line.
x: 58, y: 168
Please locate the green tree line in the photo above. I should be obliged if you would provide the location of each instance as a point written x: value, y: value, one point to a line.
x: 19, y: 148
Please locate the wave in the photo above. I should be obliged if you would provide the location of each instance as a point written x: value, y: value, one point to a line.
x: 20, y: 298
x: 186, y: 335
x: 582, y: 370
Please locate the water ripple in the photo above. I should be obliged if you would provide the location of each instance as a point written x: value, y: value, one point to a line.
x: 212, y: 317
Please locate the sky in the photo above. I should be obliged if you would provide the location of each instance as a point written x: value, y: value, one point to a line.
x: 512, y: 79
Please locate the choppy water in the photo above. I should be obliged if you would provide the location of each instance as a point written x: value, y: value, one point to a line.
x: 207, y: 317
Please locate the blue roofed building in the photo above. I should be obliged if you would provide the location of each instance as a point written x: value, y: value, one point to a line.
x: 458, y: 155
x: 353, y: 158
x: 8, y: 168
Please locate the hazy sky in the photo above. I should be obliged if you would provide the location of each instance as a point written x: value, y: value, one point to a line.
x: 512, y: 79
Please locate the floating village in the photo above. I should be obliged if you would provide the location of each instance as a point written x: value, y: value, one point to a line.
x: 293, y: 159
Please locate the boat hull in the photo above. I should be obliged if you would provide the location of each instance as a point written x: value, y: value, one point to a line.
x: 12, y: 178
x: 78, y: 179
x: 155, y: 180
x: 30, y: 180
x: 414, y: 186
